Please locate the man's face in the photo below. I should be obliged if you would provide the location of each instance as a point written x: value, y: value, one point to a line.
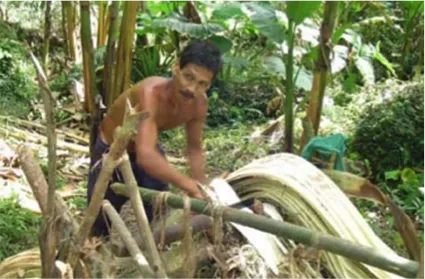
x: 192, y: 81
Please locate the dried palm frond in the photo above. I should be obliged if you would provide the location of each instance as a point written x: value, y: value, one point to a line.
x: 307, y: 197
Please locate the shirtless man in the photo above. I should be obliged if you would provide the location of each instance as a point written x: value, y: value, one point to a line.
x: 171, y: 102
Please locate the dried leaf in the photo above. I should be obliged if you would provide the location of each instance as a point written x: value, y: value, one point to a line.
x: 359, y: 187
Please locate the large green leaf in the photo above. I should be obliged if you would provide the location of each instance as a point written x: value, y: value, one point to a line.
x: 300, y: 10
x: 275, y: 65
x: 304, y: 78
x: 264, y: 18
x: 238, y: 63
x: 227, y: 10
x: 223, y: 44
x: 191, y: 29
x: 413, y: 7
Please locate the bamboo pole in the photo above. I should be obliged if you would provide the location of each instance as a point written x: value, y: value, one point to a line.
x: 108, y: 78
x: 122, y: 73
x: 397, y: 265
x: 142, y: 219
x: 70, y: 25
x: 111, y: 160
x: 127, y: 238
x: 89, y: 74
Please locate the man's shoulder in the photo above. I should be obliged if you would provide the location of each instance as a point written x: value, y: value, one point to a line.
x: 150, y: 83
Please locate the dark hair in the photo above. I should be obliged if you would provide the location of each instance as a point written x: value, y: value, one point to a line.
x: 202, y: 53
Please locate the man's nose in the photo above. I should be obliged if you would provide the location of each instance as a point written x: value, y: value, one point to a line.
x: 192, y: 88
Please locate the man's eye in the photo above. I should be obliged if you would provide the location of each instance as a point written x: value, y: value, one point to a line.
x: 189, y: 77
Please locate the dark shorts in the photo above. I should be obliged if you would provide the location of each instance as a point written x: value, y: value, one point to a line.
x: 100, y: 227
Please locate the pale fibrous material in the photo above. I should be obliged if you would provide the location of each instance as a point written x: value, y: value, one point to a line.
x: 293, y: 188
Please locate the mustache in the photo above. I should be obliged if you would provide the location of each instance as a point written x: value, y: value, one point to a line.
x: 187, y: 93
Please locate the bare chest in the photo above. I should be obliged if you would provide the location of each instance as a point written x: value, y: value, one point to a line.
x: 169, y: 118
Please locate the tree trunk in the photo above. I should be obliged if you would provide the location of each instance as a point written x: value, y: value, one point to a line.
x: 314, y: 109
x: 124, y: 55
x: 141, y: 40
x: 289, y: 98
x: 190, y: 12
x: 70, y: 25
x: 47, y: 34
x: 108, y: 77
x: 320, y: 241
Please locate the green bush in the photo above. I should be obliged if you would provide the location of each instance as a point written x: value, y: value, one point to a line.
x: 17, y: 89
x: 230, y: 103
x: 18, y: 228
x: 390, y: 134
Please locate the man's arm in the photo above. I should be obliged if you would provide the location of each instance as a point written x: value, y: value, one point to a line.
x: 195, y: 152
x: 152, y: 161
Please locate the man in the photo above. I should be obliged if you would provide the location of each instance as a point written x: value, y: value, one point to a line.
x: 170, y: 102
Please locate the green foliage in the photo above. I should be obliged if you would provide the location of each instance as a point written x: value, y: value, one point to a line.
x: 390, y: 134
x: 300, y: 10
x: 18, y: 228
x: 16, y: 85
x: 404, y: 187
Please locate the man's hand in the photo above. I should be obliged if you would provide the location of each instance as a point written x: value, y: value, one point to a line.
x: 195, y: 192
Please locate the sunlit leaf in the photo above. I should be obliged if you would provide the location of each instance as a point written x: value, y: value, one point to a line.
x: 408, y: 175
x: 189, y: 28
x: 275, y: 65
x: 364, y: 65
x: 264, y: 18
x: 392, y: 175
x: 304, y: 79
x: 339, y: 58
x: 300, y: 10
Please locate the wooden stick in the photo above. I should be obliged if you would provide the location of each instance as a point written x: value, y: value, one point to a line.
x: 110, y: 161
x: 142, y: 219
x: 48, y: 252
x: 127, y: 238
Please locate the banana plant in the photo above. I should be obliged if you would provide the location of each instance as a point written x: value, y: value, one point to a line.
x: 281, y: 29
x: 413, y: 21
